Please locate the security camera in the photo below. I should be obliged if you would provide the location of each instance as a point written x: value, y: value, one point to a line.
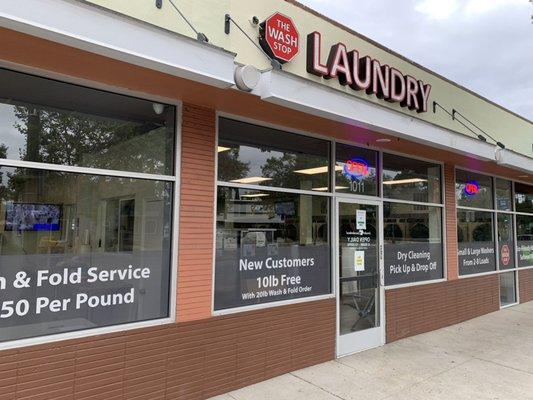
x: 255, y: 20
x: 158, y: 108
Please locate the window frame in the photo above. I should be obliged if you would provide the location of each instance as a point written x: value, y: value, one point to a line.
x: 441, y: 205
x: 495, y: 212
x: 334, y: 196
x: 328, y: 194
x: 174, y: 179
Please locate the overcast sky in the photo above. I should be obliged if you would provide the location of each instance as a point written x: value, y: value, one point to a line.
x: 484, y: 45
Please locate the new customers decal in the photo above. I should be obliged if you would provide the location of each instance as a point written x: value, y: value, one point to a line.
x: 363, y: 73
x: 257, y: 273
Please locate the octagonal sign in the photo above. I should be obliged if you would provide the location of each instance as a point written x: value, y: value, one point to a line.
x: 279, y: 37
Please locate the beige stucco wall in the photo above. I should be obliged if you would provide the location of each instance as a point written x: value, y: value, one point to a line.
x: 208, y: 17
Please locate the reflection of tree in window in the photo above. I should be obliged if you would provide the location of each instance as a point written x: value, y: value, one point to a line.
x: 281, y: 171
x: 392, y: 232
x: 71, y: 138
x: 3, y: 187
x: 229, y: 166
x: 398, y: 191
x: 460, y: 235
x: 482, y: 233
x: 419, y: 231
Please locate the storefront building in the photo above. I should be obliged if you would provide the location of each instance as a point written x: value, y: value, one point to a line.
x: 202, y: 195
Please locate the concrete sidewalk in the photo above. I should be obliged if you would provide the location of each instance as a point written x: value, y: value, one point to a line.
x: 490, y: 357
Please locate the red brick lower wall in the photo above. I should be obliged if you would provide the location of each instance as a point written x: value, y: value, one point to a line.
x: 525, y: 282
x: 418, y: 309
x: 193, y: 360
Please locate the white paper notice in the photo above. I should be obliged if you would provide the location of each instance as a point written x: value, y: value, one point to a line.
x: 359, y: 261
x: 361, y: 219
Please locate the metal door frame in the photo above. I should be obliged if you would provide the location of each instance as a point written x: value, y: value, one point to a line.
x: 380, y: 331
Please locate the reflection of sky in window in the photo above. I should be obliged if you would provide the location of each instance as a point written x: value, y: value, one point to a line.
x: 389, y: 175
x: 256, y: 158
x: 9, y: 135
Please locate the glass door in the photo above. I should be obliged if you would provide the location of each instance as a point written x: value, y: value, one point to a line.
x: 360, y: 323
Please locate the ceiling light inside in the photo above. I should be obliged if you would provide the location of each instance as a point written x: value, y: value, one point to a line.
x: 221, y: 149
x: 251, y: 196
x: 325, y: 189
x: 251, y: 179
x: 405, y: 181
x: 317, y: 170
x: 383, y: 140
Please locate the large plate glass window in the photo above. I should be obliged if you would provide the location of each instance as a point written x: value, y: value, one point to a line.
x: 524, y: 224
x: 54, y: 122
x: 524, y: 227
x: 411, y: 180
x: 524, y: 198
x: 473, y: 190
x: 271, y: 245
x: 476, y: 246
x: 508, y: 289
x: 412, y: 215
x: 256, y: 155
x: 413, y: 243
x: 82, y: 249
x: 506, y: 241
x: 504, y: 195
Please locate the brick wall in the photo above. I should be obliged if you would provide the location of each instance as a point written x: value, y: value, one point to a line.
x: 525, y: 280
x: 197, y: 198
x: 193, y: 360
x: 451, y: 221
x: 418, y: 309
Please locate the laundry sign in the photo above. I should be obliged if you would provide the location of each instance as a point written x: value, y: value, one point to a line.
x: 364, y: 73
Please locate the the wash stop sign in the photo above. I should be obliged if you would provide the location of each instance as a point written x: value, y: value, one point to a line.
x: 279, y: 37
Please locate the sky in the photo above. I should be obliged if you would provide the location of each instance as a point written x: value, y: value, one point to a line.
x: 484, y: 45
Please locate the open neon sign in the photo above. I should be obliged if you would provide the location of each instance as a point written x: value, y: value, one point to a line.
x: 356, y: 168
x: 471, y: 188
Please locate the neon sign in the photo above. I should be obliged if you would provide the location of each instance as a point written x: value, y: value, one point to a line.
x: 471, y: 188
x: 356, y: 168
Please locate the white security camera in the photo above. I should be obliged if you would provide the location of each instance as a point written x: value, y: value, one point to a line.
x: 158, y: 108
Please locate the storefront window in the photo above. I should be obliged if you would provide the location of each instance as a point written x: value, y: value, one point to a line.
x: 57, y: 123
x: 94, y: 251
x: 412, y: 180
x: 504, y: 195
x: 473, y: 190
x: 506, y: 241
x: 356, y: 170
x: 476, y: 247
x: 271, y: 245
x: 507, y: 289
x: 524, y: 227
x: 413, y: 243
x: 524, y: 198
x: 255, y: 155
x: 82, y: 248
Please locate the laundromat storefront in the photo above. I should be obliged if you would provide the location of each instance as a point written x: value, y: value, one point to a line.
x: 175, y: 222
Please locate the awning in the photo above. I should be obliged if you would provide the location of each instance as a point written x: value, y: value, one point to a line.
x: 293, y: 92
x: 109, y: 34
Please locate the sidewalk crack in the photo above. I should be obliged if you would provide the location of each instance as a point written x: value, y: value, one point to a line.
x: 503, y: 365
x: 319, y: 387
